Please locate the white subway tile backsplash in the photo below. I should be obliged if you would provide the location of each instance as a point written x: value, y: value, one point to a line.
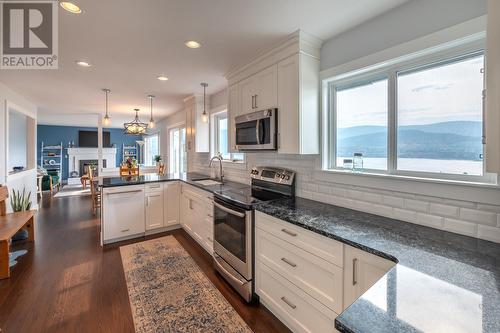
x: 324, y: 189
x: 443, y: 210
x: 460, y: 227
x: 417, y: 205
x: 462, y: 217
x: 478, y: 216
x: 489, y: 233
x: 372, y: 197
x: 430, y: 220
x: 490, y: 208
x: 405, y: 215
x: 393, y: 201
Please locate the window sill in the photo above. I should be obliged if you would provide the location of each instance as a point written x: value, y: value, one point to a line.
x: 451, y: 189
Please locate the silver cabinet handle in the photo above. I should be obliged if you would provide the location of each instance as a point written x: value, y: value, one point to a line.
x: 290, y: 304
x: 354, y: 273
x: 289, y: 262
x: 288, y: 232
x: 154, y: 186
x: 227, y: 210
x: 190, y: 204
x: 253, y: 101
x: 125, y: 230
x: 124, y: 192
x: 256, y: 101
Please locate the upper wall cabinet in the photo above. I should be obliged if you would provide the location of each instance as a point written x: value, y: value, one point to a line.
x: 286, y: 77
x: 197, y: 131
x: 493, y: 88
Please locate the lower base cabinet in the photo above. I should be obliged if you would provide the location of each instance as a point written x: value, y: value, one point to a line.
x: 302, y: 283
x: 196, y: 215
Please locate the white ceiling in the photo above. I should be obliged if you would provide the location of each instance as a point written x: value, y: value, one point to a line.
x: 130, y: 42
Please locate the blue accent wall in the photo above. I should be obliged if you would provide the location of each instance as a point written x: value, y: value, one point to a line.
x: 53, y: 135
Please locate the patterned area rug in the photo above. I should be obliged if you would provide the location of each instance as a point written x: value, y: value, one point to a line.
x: 169, y: 293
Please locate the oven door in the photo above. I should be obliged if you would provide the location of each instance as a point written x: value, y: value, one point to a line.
x: 257, y: 130
x: 233, y: 236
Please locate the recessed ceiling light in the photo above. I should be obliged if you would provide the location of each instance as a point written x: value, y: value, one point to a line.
x: 162, y: 78
x: 192, y: 44
x: 70, y: 7
x: 83, y: 63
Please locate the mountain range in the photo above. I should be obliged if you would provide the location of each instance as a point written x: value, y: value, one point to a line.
x: 450, y: 140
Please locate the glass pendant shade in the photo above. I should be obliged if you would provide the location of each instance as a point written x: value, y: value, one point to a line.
x: 135, y: 127
x: 106, y: 119
x: 204, y: 115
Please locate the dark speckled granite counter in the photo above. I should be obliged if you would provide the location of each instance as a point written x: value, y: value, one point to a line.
x: 443, y: 282
x: 189, y: 178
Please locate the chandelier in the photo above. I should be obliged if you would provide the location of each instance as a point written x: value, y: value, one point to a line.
x: 135, y: 127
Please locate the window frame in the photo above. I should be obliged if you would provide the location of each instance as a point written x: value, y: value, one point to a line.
x: 216, y: 140
x: 146, y: 138
x: 391, y: 71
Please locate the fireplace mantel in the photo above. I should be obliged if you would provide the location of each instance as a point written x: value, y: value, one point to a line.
x: 77, y: 154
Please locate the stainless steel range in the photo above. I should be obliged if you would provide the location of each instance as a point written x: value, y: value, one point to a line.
x: 234, y: 224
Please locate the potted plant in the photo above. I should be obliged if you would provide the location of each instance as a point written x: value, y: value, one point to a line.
x: 157, y: 159
x: 20, y: 202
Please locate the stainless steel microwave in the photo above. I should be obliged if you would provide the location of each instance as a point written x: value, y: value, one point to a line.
x: 257, y: 130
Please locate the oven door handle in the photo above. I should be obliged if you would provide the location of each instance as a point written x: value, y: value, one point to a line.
x: 228, y: 210
x: 236, y: 280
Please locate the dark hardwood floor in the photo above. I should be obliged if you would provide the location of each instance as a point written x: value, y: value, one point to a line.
x: 68, y: 283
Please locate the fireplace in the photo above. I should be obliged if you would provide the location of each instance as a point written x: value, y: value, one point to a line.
x: 85, y: 164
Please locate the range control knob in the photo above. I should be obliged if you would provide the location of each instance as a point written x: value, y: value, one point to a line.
x: 287, y: 177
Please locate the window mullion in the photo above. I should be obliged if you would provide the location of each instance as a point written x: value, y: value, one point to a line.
x: 332, y: 119
x: 392, y: 124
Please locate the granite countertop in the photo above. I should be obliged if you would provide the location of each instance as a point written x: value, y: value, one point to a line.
x: 188, y: 178
x: 443, y: 282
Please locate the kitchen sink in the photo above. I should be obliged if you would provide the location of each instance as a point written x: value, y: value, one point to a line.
x: 207, y: 182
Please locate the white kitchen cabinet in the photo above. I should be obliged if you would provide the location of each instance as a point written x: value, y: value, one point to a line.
x: 197, y: 216
x: 492, y: 110
x: 154, y: 203
x: 197, y: 131
x: 171, y: 205
x: 361, y: 271
x: 233, y: 110
x: 259, y: 91
x: 298, y: 105
x: 123, y: 213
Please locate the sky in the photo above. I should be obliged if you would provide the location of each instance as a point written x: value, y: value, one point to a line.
x: 446, y: 93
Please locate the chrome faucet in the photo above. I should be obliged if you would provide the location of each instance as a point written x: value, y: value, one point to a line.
x: 221, y: 173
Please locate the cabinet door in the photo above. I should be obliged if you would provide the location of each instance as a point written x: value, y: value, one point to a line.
x: 247, y: 92
x: 361, y: 271
x: 123, y: 213
x: 185, y: 212
x: 288, y: 103
x: 266, y: 95
x: 233, y: 110
x: 171, y: 203
x: 154, y: 210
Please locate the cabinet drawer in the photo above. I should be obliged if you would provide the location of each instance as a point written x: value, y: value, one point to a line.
x: 323, y: 247
x: 155, y: 187
x: 317, y: 277
x: 299, y: 311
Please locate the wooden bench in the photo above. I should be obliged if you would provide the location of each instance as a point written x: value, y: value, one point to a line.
x: 10, y: 224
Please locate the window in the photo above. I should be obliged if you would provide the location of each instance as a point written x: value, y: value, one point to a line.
x: 439, y: 118
x: 177, y: 156
x: 151, y: 149
x: 362, y: 123
x: 221, y: 137
x: 421, y: 119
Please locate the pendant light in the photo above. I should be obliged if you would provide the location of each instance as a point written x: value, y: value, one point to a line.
x: 151, y: 120
x: 135, y: 127
x: 107, y: 119
x: 204, y: 115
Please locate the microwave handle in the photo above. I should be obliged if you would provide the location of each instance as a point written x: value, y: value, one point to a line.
x: 257, y: 131
x: 228, y: 210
